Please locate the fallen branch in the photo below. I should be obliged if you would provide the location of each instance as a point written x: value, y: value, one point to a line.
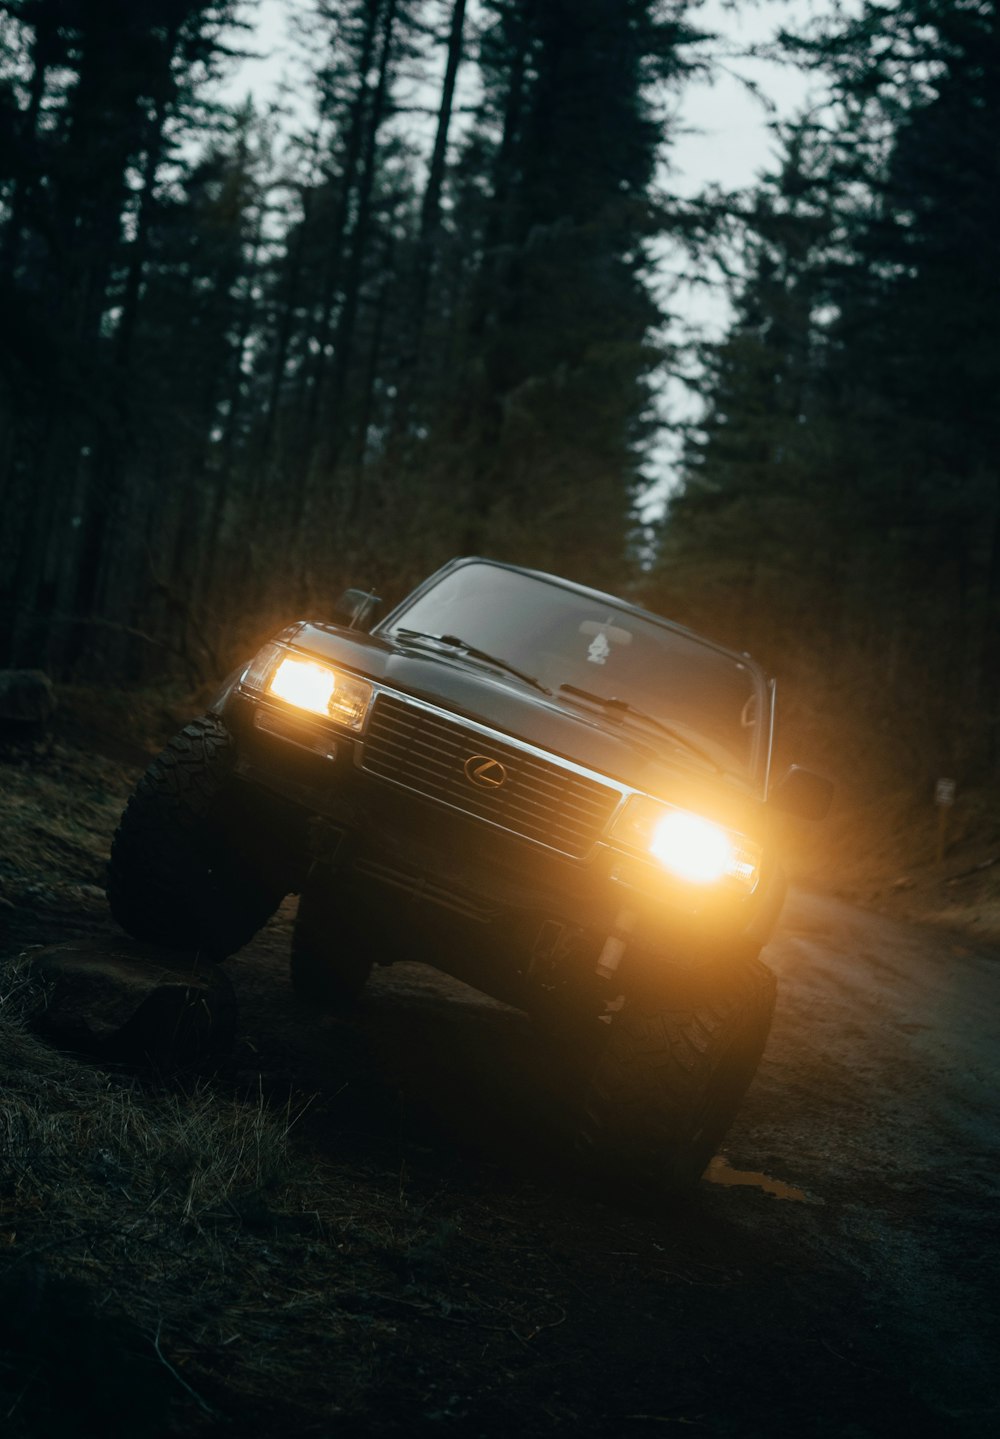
x: 202, y: 1405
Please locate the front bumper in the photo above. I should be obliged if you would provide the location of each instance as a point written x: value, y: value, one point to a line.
x: 420, y: 858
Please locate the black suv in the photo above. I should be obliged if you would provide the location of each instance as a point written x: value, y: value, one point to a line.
x: 556, y: 796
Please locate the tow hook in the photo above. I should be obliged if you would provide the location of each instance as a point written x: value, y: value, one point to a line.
x: 615, y: 945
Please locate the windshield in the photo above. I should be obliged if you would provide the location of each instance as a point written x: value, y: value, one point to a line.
x: 600, y: 649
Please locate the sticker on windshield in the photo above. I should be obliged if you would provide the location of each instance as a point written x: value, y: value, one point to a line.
x: 599, y: 649
x: 602, y: 636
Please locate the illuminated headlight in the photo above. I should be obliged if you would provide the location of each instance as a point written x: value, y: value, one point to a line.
x: 310, y: 685
x: 690, y: 847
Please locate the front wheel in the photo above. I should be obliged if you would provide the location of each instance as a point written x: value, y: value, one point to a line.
x: 175, y: 876
x: 668, y: 1082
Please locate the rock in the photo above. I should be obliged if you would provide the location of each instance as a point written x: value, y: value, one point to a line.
x: 27, y: 703
x: 128, y: 1003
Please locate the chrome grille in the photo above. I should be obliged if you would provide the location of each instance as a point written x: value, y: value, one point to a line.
x: 540, y: 799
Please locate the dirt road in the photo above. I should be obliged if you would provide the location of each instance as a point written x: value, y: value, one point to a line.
x: 879, y: 1097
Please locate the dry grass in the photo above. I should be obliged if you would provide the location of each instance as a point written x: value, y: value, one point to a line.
x: 58, y: 813
x: 156, y: 1201
x: 60, y: 801
x: 236, y: 1265
x: 221, y: 1266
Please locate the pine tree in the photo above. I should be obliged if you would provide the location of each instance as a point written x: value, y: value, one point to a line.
x: 871, y: 498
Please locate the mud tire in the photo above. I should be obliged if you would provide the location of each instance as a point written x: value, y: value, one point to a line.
x: 175, y: 877
x: 331, y: 958
x: 668, y: 1083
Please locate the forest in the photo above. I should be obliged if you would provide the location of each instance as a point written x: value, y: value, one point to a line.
x: 249, y: 358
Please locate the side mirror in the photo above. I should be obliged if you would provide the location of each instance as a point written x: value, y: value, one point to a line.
x: 356, y: 609
x: 803, y: 794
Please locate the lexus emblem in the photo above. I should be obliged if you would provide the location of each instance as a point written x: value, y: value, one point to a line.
x: 485, y: 772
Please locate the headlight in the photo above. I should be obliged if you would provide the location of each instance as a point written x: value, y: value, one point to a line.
x: 310, y: 685
x: 691, y: 847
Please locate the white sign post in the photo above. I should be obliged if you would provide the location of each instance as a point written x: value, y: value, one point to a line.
x: 944, y: 798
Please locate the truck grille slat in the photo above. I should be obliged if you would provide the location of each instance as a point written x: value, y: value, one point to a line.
x: 540, y: 800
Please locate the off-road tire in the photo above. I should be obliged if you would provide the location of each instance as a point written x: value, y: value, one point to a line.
x: 331, y: 957
x: 668, y: 1082
x: 175, y: 877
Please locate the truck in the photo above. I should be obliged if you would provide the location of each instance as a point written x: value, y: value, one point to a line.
x: 549, y: 792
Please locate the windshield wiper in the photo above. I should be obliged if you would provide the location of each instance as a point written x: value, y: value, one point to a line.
x: 454, y: 642
x: 623, y: 708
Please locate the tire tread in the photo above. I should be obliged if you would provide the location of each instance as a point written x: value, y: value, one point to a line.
x: 668, y: 1082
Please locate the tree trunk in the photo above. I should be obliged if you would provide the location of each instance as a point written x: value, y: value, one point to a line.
x: 140, y: 246
x: 367, y: 404
x: 336, y: 428
x: 338, y: 229
x: 43, y: 49
x: 430, y: 209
